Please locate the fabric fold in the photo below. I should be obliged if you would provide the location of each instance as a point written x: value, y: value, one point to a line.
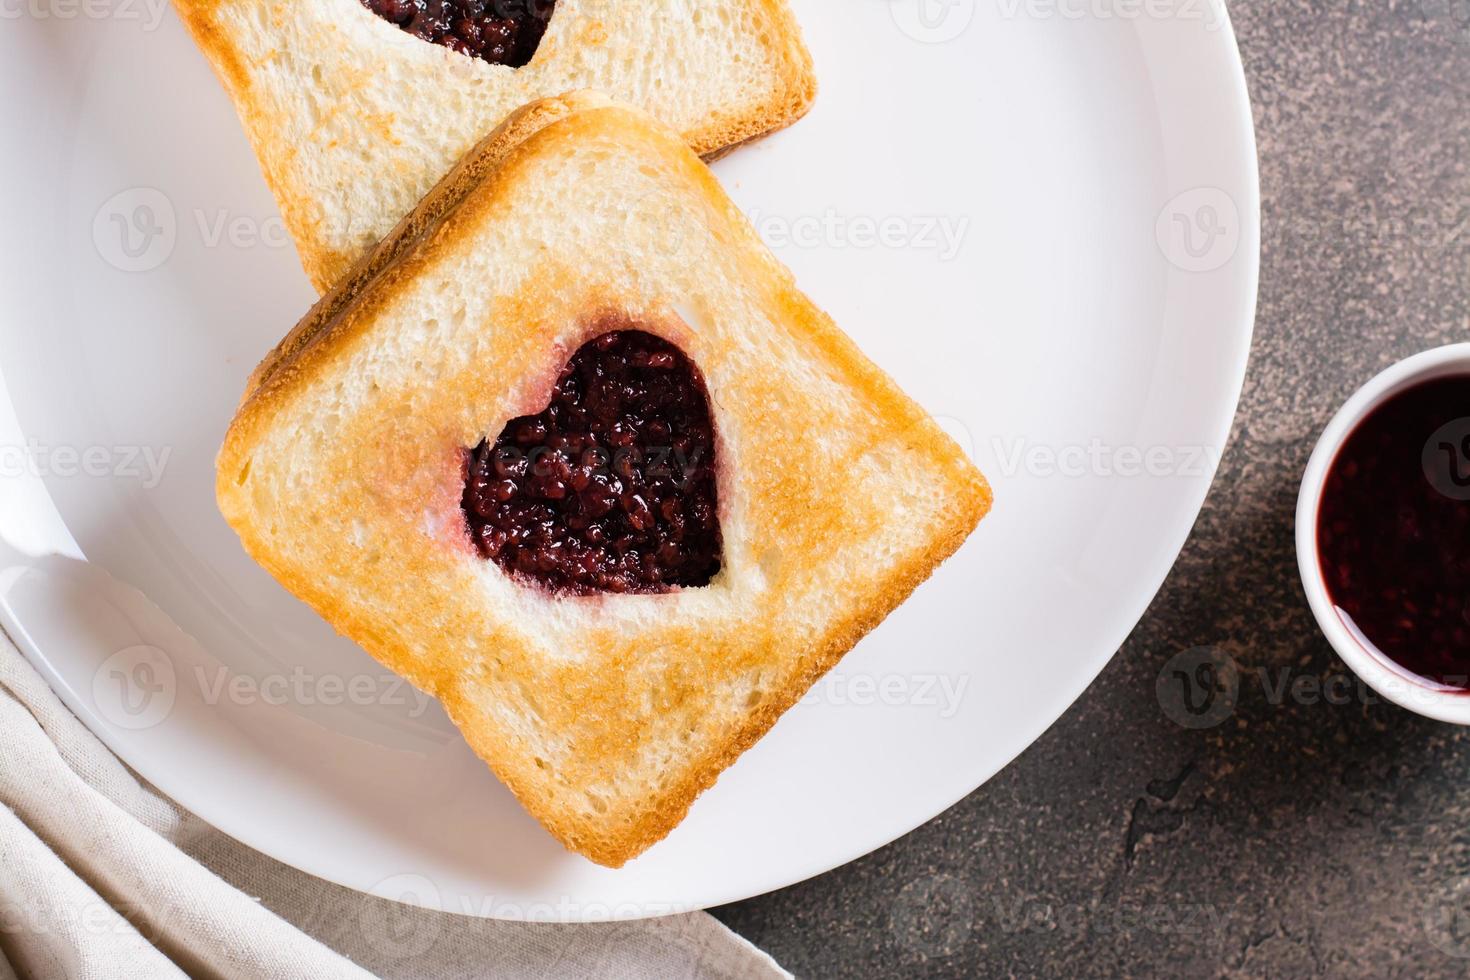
x: 101, y: 876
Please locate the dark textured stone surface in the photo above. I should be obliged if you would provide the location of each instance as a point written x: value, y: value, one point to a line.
x: 1297, y: 837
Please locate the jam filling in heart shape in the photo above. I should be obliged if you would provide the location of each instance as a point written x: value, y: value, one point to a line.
x: 502, y: 32
x: 610, y: 488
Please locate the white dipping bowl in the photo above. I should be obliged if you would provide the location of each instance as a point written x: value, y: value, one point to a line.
x: 1404, y: 688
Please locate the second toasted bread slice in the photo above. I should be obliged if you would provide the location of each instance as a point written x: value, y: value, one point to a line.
x: 355, y: 118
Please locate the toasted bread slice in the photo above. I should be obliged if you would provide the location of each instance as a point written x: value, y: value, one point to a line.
x: 344, y: 470
x: 354, y: 120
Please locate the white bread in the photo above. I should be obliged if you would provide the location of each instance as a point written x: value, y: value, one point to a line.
x: 605, y: 715
x: 354, y: 120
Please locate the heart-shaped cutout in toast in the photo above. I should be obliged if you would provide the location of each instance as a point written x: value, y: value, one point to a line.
x: 502, y: 32
x: 611, y: 487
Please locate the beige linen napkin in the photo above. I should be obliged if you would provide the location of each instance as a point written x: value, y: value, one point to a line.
x: 103, y: 877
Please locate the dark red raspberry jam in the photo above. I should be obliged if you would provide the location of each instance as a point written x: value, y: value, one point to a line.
x: 502, y: 32
x: 612, y: 487
x: 1393, y: 530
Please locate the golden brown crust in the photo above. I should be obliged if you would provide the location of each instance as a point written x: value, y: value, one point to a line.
x: 791, y: 100
x: 613, y: 677
x: 200, y: 18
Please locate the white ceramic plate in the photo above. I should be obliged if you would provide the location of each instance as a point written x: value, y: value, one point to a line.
x: 1040, y: 218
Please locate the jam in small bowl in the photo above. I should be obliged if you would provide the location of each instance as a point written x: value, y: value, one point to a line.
x: 1383, y: 533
